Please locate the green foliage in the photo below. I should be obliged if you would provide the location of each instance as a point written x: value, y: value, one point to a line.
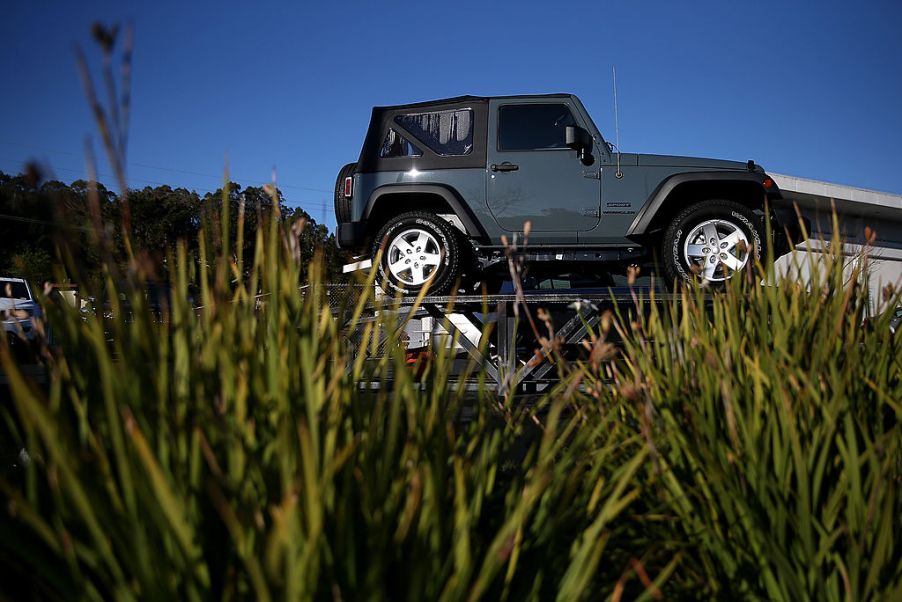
x: 773, y: 418
x: 36, y: 220
x: 230, y: 451
x: 34, y: 265
x: 162, y: 216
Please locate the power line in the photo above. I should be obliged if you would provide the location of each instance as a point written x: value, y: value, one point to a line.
x: 197, y: 173
x: 324, y: 205
x: 42, y: 222
x: 160, y: 168
x: 82, y: 172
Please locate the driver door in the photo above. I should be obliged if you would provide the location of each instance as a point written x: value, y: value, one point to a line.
x: 533, y: 176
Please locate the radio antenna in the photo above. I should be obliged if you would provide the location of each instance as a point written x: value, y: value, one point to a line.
x: 619, y: 173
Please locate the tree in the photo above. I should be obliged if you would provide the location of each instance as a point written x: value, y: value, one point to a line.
x: 316, y: 239
x: 162, y: 216
x: 26, y: 219
x: 33, y: 264
x: 38, y: 222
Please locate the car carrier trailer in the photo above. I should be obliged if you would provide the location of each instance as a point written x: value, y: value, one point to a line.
x: 510, y: 356
x: 511, y: 359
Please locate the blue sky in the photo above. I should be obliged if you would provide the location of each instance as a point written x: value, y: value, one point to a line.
x: 811, y: 89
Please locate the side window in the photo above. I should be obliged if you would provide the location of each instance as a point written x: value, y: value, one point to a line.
x: 533, y: 126
x: 447, y: 133
x: 396, y: 145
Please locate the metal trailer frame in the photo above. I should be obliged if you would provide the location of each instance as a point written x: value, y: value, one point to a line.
x: 507, y: 366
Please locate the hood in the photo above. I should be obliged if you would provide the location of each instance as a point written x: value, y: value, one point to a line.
x: 24, y: 304
x: 696, y: 162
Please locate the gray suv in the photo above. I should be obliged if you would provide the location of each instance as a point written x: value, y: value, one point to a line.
x: 439, y: 185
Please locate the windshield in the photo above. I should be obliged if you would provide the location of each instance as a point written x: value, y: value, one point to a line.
x: 14, y: 290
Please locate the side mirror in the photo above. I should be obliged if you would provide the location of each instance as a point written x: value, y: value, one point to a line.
x: 579, y: 140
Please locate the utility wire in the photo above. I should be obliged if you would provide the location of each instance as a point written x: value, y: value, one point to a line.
x: 81, y: 171
x: 160, y: 168
x: 42, y: 222
x: 322, y: 204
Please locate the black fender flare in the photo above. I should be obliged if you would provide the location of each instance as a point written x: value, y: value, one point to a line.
x: 446, y: 193
x: 657, y: 198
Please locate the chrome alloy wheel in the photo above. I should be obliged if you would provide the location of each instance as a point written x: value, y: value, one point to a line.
x: 718, y: 247
x: 414, y: 256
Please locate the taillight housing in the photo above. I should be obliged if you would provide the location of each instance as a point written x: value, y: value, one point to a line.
x: 349, y: 187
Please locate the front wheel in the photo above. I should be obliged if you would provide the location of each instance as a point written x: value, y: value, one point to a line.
x: 711, y: 240
x: 420, y: 249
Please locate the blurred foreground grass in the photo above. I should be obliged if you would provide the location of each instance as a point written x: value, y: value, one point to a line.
x: 744, y: 444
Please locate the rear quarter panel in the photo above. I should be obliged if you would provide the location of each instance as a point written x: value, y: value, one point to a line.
x: 468, y: 183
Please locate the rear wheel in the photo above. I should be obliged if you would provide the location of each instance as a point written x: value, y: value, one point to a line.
x: 420, y: 249
x: 711, y: 240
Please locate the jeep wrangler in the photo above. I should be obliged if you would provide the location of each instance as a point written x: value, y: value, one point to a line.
x: 439, y: 186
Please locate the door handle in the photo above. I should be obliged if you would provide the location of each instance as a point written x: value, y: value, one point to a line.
x: 506, y: 166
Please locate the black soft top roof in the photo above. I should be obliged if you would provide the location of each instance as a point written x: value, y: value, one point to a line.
x: 467, y: 98
x: 383, y: 119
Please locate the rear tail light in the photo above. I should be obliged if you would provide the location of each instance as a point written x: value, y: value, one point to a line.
x: 349, y: 186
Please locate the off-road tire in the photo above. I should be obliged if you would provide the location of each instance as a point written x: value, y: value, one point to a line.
x: 677, y: 266
x: 448, y: 270
x: 343, y: 204
x: 471, y: 273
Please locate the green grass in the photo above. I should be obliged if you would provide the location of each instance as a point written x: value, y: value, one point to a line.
x: 228, y: 452
x: 744, y: 445
x: 775, y: 418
